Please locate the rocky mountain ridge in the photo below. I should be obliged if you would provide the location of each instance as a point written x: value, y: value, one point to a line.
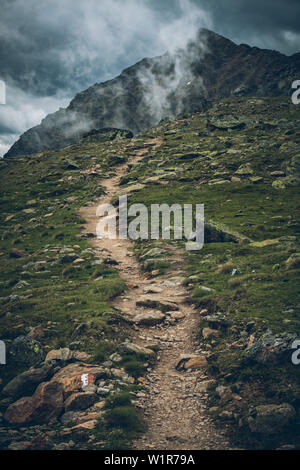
x: 187, y: 81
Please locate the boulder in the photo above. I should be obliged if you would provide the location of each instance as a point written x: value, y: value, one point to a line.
x: 65, y: 355
x: 26, y: 352
x: 37, y: 332
x: 44, y: 406
x: 24, y: 384
x: 271, y: 349
x: 196, y: 363
x: 80, y: 401
x: 70, y: 377
x: 153, y: 302
x: 270, y: 419
x: 217, y: 320
x: 149, y: 319
x: 134, y: 348
x: 191, y: 361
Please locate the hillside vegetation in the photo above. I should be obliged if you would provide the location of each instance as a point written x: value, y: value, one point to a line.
x: 241, y: 159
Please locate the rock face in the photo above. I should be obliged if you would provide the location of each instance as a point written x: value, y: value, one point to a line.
x: 44, y: 406
x: 208, y: 69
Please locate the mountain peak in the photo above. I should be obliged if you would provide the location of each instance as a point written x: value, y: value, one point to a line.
x: 184, y: 81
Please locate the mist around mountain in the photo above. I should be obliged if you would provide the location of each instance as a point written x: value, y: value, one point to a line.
x: 184, y: 81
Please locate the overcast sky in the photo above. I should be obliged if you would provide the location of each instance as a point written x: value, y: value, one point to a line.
x: 51, y: 49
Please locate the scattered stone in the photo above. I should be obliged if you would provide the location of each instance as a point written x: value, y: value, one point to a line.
x: 36, y: 332
x: 177, y: 316
x: 152, y: 290
x: 245, y: 170
x: 150, y: 319
x: 202, y: 387
x: 153, y: 253
x: 191, y: 362
x: 65, y: 355
x: 40, y: 442
x: 21, y: 285
x: 217, y: 320
x: 131, y: 347
x: 70, y: 417
x: 70, y: 165
x: 152, y: 302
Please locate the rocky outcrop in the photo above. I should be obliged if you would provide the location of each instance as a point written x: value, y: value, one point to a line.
x: 210, y: 68
x: 25, y: 383
x: 270, y: 348
x: 44, y: 406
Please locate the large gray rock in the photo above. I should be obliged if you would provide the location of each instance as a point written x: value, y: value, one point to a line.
x: 217, y: 320
x: 149, y: 319
x: 24, y: 384
x: 271, y: 349
x: 128, y: 347
x: 270, y: 419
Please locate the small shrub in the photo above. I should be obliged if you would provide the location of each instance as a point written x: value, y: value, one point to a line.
x: 134, y: 368
x: 120, y: 399
x: 117, y: 440
x: 103, y: 351
x: 124, y: 417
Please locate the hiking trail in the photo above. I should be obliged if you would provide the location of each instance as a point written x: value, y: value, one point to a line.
x: 173, y: 402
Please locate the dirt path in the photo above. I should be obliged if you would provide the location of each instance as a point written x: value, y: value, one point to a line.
x: 173, y: 402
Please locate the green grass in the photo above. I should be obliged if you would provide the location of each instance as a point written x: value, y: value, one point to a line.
x: 192, y: 166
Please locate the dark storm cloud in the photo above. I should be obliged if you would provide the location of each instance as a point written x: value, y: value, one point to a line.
x: 51, y: 49
x: 271, y: 24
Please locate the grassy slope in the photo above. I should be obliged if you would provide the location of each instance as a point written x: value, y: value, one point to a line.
x: 40, y: 197
x: 266, y: 290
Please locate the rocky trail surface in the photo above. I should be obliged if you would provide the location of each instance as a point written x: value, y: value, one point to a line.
x: 173, y: 402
